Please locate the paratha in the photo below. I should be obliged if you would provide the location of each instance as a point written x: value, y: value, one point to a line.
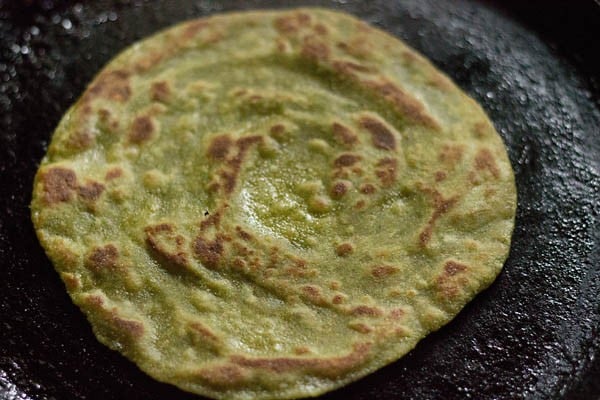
x: 272, y: 204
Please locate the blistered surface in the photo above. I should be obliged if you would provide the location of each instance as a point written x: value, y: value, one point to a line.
x: 532, y: 334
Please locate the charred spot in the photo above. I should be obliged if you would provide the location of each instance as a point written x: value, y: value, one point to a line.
x: 209, y: 252
x: 346, y: 160
x: 59, y: 184
x: 386, y: 171
x: 367, y: 188
x: 142, y: 129
x: 80, y: 139
x: 243, y: 234
x: 213, y: 219
x: 160, y: 91
x: 344, y: 249
x: 339, y: 189
x: 366, y: 311
x: 102, y: 258
x: 383, y: 271
x: 381, y: 135
x: 219, y: 147
x: 167, y: 244
x: 288, y: 24
x: 314, y: 49
x: 91, y: 191
x: 343, y: 134
x: 411, y: 108
x: 113, y: 173
x: 450, y: 280
x: 484, y: 160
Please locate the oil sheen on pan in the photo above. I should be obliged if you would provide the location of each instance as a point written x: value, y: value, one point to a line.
x: 272, y: 204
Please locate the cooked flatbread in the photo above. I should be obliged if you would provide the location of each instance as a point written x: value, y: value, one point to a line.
x: 272, y: 204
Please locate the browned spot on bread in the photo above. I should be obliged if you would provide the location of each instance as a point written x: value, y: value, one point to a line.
x: 346, y: 160
x: 440, y: 176
x: 234, y: 164
x: 411, y: 108
x: 339, y: 189
x: 94, y: 301
x: 357, y: 46
x: 440, y: 207
x: 113, y: 173
x: 302, y: 350
x: 344, y: 135
x: 142, y: 129
x: 320, y: 29
x: 91, y: 191
x: 360, y: 327
x: 110, y: 85
x: 367, y: 188
x: 166, y: 243
x: 278, y: 131
x: 337, y: 299
x: 209, y: 251
x: 313, y: 293
x: 481, y: 129
x: 323, y: 366
x: 314, y: 49
x: 449, y: 281
x: 204, y: 333
x: 396, y: 313
x: 382, y: 136
x: 72, y: 282
x: 344, y: 249
x: 451, y: 154
x: 243, y: 234
x: 193, y: 28
x: 58, y: 184
x: 366, y: 311
x: 213, y: 219
x: 131, y: 328
x: 386, y: 171
x: 350, y: 68
x: 102, y: 258
x: 160, y: 91
x: 291, y: 23
x: 223, y: 376
x: 484, y: 160
x: 383, y: 271
x: 360, y: 204
x: 219, y: 147
x: 439, y: 81
x: 80, y: 139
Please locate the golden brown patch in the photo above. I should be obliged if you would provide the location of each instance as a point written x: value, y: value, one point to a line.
x: 142, y: 129
x: 346, y: 160
x: 386, y: 171
x: 449, y: 281
x: 344, y: 249
x: 167, y: 244
x: 223, y: 376
x: 113, y: 173
x: 213, y: 219
x: 243, y: 234
x: 411, y: 108
x: 440, y: 207
x: 484, y: 160
x: 358, y: 47
x: 340, y: 188
x: 160, y: 91
x: 320, y: 29
x: 367, y: 188
x: 219, y: 147
x: 366, y: 311
x: 292, y: 23
x: 360, y: 204
x: 209, y: 251
x: 481, y: 129
x: 314, y: 49
x: 344, y: 135
x: 302, y: 350
x: 72, y: 282
x: 338, y: 299
x: 131, y: 328
x: 193, y: 28
x: 383, y: 271
x: 360, y: 327
x: 91, y: 191
x: 440, y: 176
x: 381, y: 135
x: 80, y: 139
x: 396, y: 314
x: 102, y: 259
x: 110, y: 85
x: 234, y: 164
x: 58, y: 184
x: 326, y: 367
x: 451, y: 154
x: 203, y: 333
x: 313, y: 293
x: 350, y: 68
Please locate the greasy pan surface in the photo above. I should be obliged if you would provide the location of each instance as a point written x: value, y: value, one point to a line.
x: 533, y: 334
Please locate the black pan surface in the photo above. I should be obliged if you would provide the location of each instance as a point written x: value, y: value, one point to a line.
x: 533, y: 334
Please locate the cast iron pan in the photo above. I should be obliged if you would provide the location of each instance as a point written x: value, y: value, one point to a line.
x: 534, y: 334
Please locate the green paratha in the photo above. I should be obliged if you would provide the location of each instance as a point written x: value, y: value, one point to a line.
x: 272, y: 204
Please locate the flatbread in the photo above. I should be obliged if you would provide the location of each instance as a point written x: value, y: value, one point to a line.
x: 272, y: 204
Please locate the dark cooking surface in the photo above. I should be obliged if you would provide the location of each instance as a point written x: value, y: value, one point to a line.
x: 533, y: 334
